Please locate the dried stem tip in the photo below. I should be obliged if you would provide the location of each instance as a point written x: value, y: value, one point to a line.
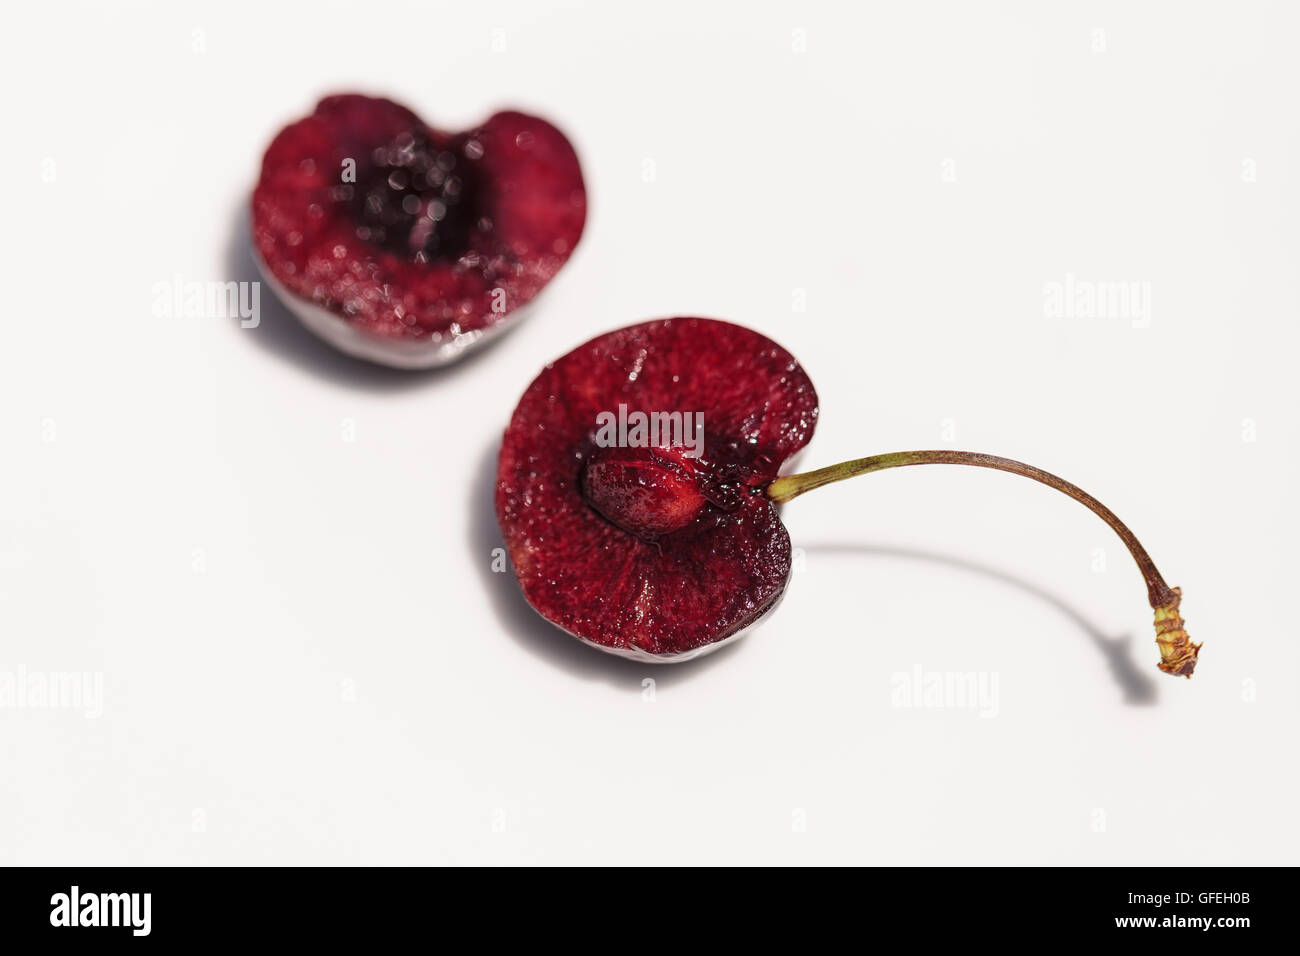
x: 1177, y: 652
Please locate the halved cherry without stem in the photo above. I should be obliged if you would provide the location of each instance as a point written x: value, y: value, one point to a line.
x: 406, y: 245
x: 651, y: 554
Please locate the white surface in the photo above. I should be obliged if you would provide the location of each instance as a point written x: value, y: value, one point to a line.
x: 305, y: 654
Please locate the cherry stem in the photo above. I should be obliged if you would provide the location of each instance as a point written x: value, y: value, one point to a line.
x: 1178, y: 654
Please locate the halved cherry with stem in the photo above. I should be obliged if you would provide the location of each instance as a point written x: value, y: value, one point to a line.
x: 656, y: 555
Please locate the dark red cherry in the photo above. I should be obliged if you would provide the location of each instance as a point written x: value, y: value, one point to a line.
x: 648, y: 552
x: 406, y: 245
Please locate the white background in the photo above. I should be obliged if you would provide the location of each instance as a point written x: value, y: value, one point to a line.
x: 305, y: 654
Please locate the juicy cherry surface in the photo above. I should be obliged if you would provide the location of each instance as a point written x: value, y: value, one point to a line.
x: 648, y: 492
x: 419, y: 201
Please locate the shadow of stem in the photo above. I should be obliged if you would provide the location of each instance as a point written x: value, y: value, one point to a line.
x: 1138, y: 689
